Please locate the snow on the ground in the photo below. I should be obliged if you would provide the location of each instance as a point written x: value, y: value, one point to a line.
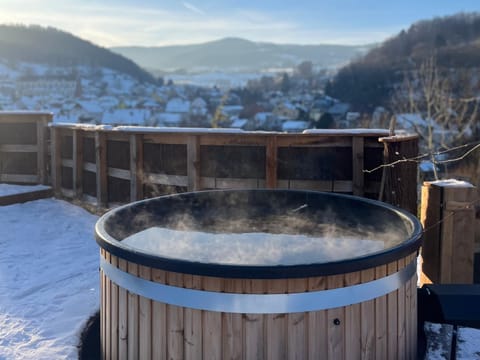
x: 48, y: 278
x: 7, y: 189
x: 467, y: 344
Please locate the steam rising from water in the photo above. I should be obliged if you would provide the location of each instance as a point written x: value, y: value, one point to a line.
x: 260, y: 248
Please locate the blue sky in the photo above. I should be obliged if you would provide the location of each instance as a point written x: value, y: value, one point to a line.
x: 157, y: 22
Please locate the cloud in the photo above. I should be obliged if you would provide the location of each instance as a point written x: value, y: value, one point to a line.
x: 125, y: 24
x: 193, y: 8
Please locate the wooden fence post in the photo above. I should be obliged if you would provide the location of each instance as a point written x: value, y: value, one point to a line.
x: 193, y: 162
x: 136, y: 167
x: 448, y: 217
x: 271, y: 162
x: 102, y: 169
x: 77, y: 144
x: 56, y: 160
x: 401, y: 172
x: 358, y: 166
x: 42, y: 151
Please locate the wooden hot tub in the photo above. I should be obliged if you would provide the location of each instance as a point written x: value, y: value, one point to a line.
x: 258, y: 274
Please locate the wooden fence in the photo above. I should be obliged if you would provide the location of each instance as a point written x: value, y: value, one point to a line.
x: 108, y: 165
x: 23, y: 147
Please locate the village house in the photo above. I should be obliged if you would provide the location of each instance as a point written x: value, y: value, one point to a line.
x: 286, y: 110
x: 66, y: 86
x: 198, y: 107
x: 126, y: 117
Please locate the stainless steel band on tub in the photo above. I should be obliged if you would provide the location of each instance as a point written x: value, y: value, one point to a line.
x: 258, y: 303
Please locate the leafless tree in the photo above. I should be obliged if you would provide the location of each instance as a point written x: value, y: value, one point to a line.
x: 446, y: 102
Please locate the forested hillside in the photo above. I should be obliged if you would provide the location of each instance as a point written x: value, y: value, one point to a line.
x: 453, y: 41
x: 38, y: 44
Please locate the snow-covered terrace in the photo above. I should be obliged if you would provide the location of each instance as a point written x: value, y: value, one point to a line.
x: 48, y: 277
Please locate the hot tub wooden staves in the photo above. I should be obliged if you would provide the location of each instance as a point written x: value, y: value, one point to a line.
x: 136, y: 327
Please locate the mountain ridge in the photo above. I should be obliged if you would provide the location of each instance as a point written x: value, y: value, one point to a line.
x: 234, y: 53
x: 48, y: 45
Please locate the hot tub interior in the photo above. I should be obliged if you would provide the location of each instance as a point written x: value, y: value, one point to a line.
x: 260, y: 228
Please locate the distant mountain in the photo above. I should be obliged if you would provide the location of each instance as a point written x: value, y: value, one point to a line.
x: 454, y: 42
x: 42, y: 45
x: 235, y: 54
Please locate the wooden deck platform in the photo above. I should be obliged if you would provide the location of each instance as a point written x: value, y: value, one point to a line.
x: 26, y: 196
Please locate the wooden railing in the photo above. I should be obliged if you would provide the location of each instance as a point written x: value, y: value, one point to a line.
x: 23, y: 147
x: 108, y: 165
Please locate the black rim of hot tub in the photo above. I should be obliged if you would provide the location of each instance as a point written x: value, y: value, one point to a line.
x: 371, y: 260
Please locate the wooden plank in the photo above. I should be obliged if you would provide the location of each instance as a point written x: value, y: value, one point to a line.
x: 15, y: 178
x: 67, y: 163
x: 212, y: 324
x: 193, y: 322
x: 317, y: 323
x: 133, y: 317
x: 88, y: 166
x: 413, y: 312
x: 175, y: 323
x: 25, y: 197
x: 119, y: 173
x: 254, y: 325
x: 297, y: 347
x: 358, y: 167
x: 439, y: 341
x: 231, y: 183
x: 101, y: 171
x: 335, y: 323
x: 232, y: 325
x: 136, y: 167
x: 78, y: 163
x: 159, y: 321
x: 164, y: 179
x: 410, y: 307
x: 167, y: 138
x: 342, y: 186
x: 381, y: 337
x: 122, y: 316
x: 352, y: 322
x: 303, y: 140
x: 42, y: 150
x: 392, y: 316
x: 114, y: 313
x: 193, y: 162
x: 276, y: 324
x: 103, y: 309
x: 318, y: 185
x: 271, y: 162
x: 117, y: 135
x: 462, y: 221
x: 56, y: 160
x: 401, y: 322
x: 108, y: 315
x: 446, y: 247
x: 15, y: 148
x: 367, y: 315
x: 235, y: 139
x: 145, y: 319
